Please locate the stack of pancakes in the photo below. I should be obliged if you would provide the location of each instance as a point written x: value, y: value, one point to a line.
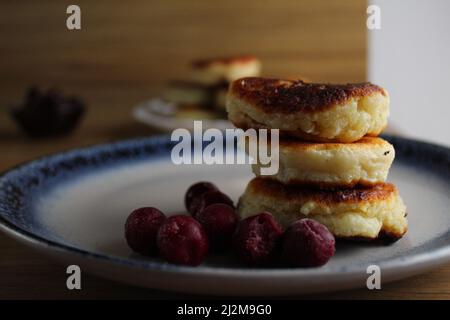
x: 332, y: 165
x: 208, y: 85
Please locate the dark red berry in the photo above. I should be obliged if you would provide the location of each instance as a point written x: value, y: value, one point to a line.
x: 219, y: 221
x: 196, y: 190
x: 307, y: 243
x: 256, y: 240
x: 182, y: 240
x: 141, y: 229
x: 206, y: 199
x: 48, y: 113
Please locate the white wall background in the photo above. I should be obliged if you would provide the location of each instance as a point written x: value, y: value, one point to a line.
x: 410, y: 56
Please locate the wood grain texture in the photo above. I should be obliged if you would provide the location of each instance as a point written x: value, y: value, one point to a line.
x: 24, y: 274
x: 145, y: 43
x: 125, y: 53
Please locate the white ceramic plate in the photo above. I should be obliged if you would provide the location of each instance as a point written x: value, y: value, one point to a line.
x: 73, y: 207
x: 160, y: 114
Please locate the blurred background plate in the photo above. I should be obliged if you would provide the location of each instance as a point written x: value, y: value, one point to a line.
x: 166, y: 117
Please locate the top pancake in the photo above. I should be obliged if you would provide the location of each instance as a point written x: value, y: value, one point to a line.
x: 310, y: 111
x: 288, y: 96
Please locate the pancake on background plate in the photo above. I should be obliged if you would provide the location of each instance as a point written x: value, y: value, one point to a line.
x: 217, y: 70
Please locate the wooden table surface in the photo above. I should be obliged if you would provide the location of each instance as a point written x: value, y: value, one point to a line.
x: 123, y: 55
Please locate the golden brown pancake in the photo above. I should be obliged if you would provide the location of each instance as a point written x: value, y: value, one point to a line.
x: 309, y: 111
x: 365, y: 162
x: 224, y: 70
x: 205, y: 63
x: 361, y: 213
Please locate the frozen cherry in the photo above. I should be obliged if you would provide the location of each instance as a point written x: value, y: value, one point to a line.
x: 256, y: 240
x: 219, y: 221
x: 48, y: 113
x: 196, y: 190
x: 307, y: 243
x: 141, y: 229
x: 206, y: 199
x: 182, y: 240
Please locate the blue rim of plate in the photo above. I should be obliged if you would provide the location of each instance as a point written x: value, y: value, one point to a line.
x: 411, y: 151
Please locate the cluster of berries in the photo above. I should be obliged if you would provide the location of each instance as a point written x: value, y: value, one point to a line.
x: 215, y: 226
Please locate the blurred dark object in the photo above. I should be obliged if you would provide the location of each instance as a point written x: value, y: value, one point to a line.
x: 46, y: 114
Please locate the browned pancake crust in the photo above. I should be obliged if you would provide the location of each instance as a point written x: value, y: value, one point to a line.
x: 365, y: 142
x: 326, y: 185
x: 204, y: 63
x: 291, y: 96
x: 357, y: 194
x: 384, y: 237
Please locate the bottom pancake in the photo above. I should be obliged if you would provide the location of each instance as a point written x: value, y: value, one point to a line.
x: 360, y: 213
